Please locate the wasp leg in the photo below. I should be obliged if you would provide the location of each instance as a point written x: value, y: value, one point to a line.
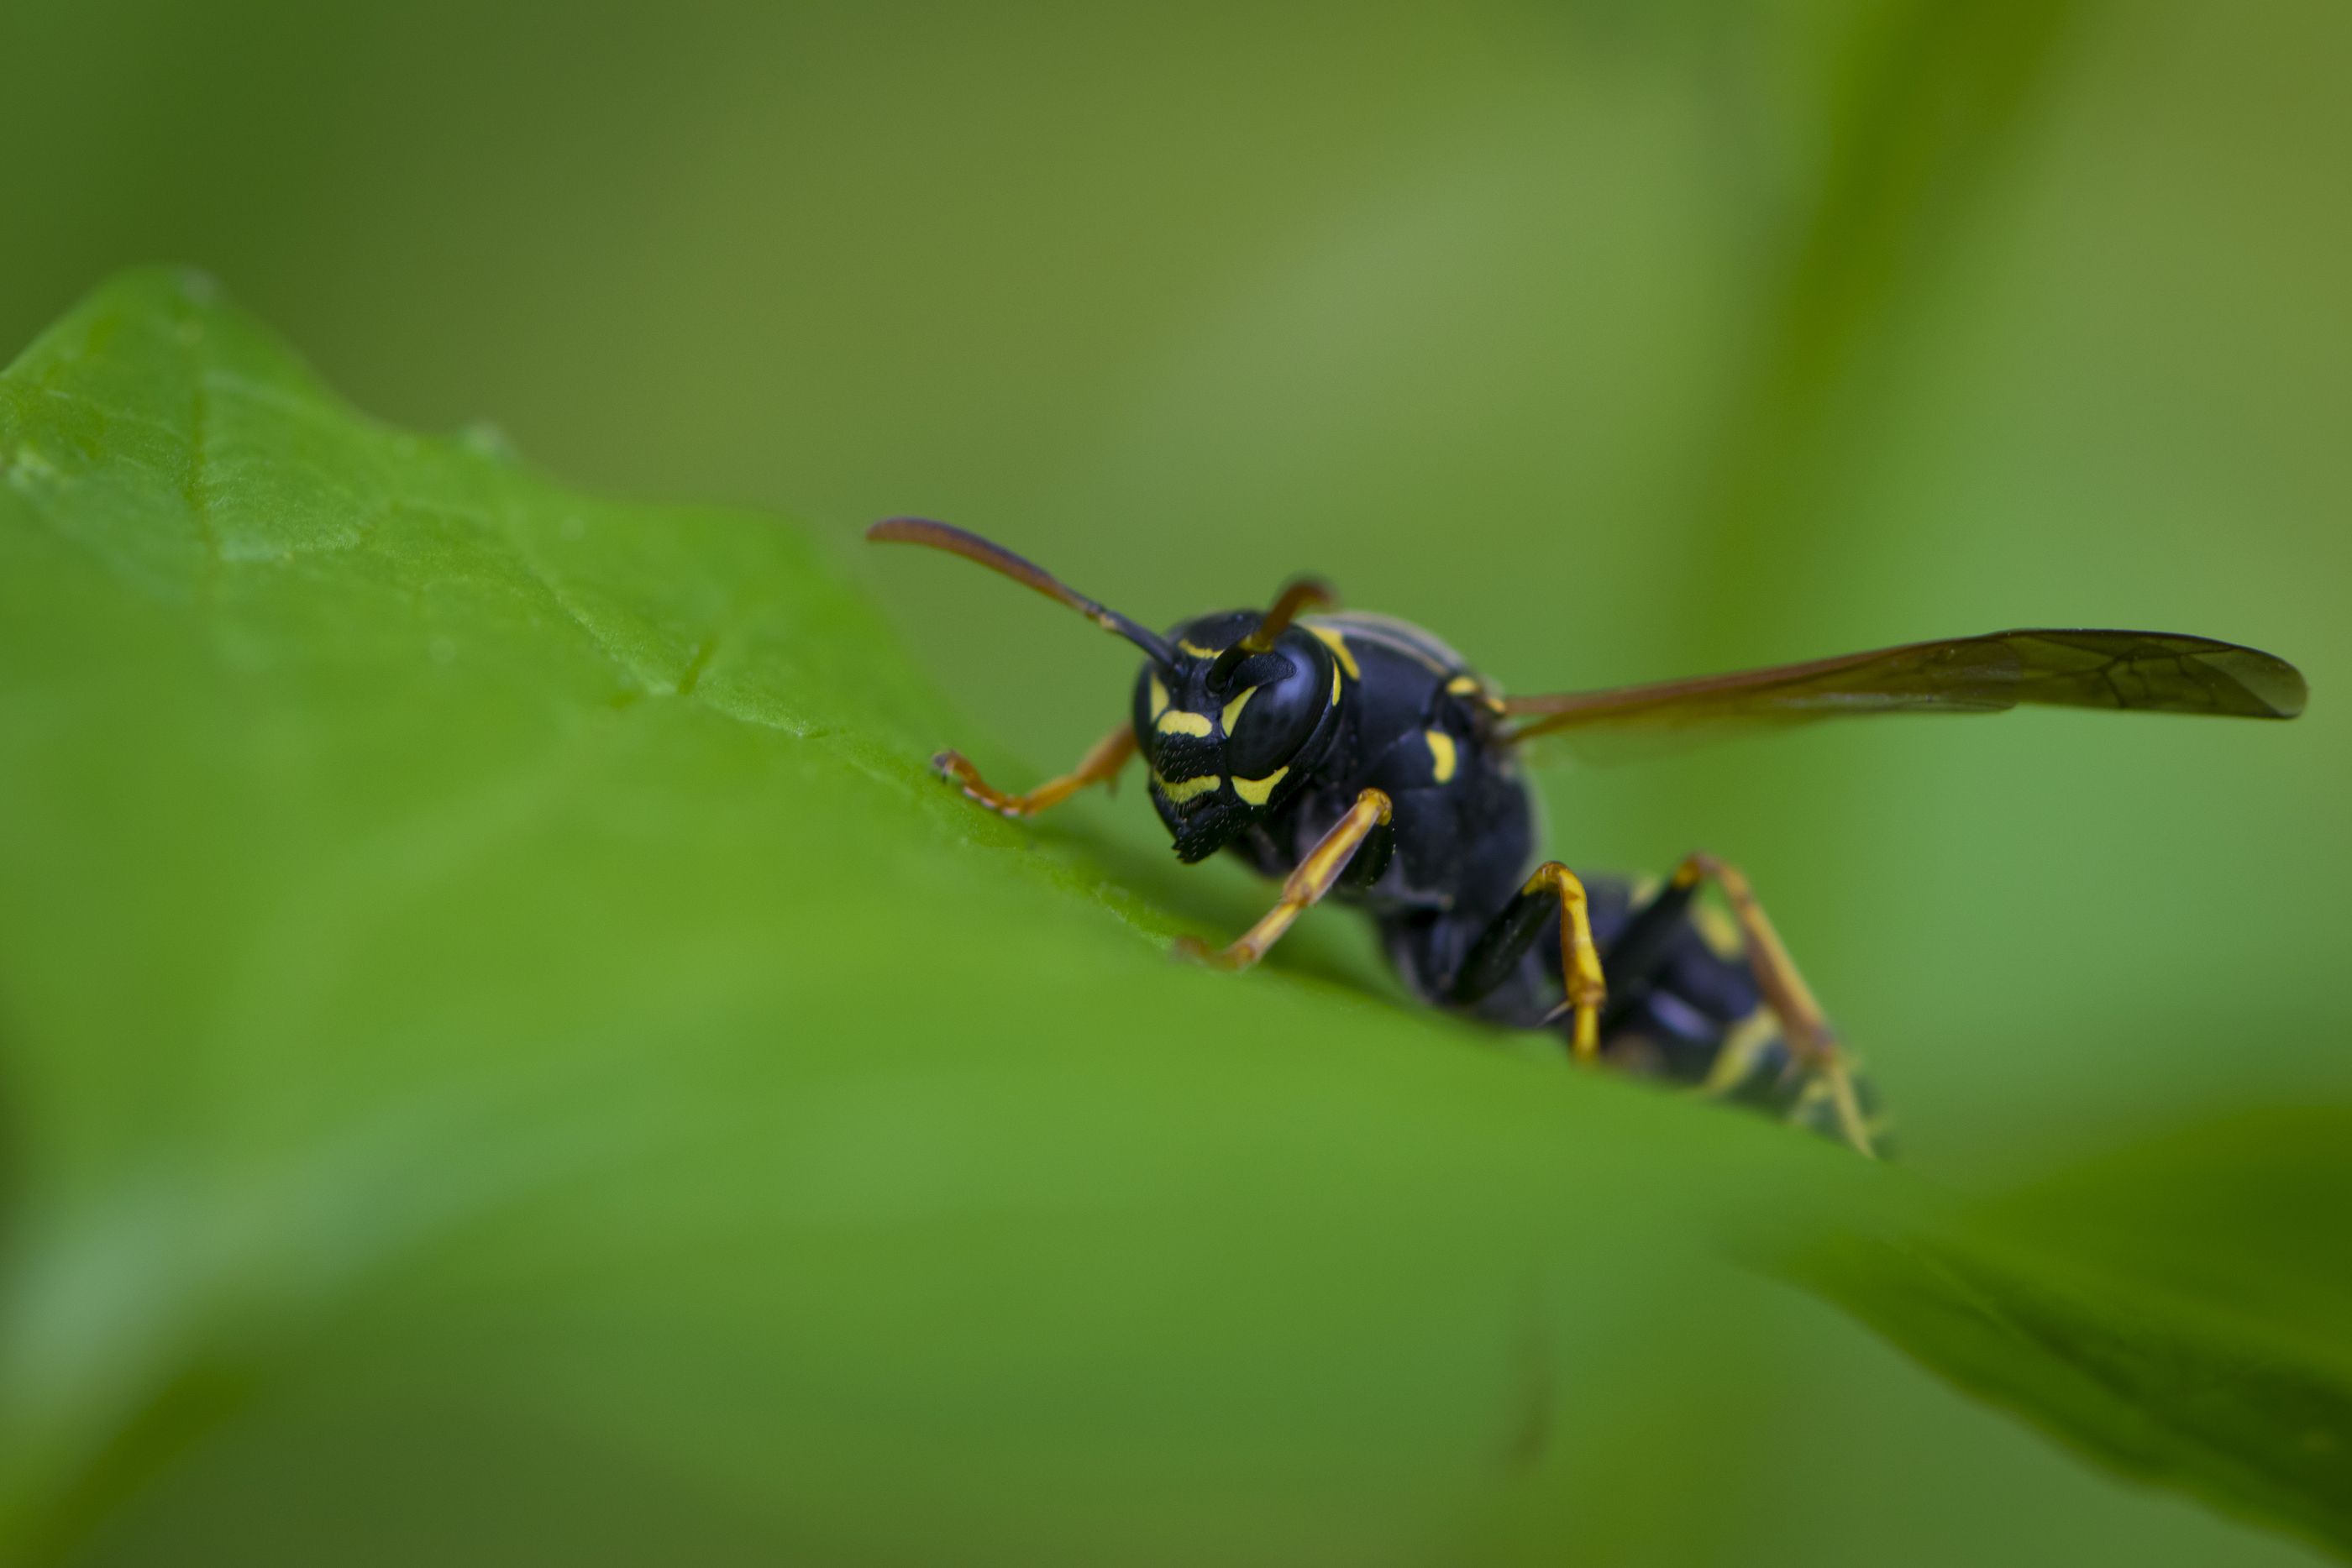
x: 1496, y: 952
x: 1306, y: 885
x: 1642, y: 945
x: 1810, y: 1041
x: 1101, y: 765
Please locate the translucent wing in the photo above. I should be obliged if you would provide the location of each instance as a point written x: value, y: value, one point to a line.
x: 2152, y: 671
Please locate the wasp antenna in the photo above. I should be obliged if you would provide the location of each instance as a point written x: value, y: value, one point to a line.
x: 1299, y: 593
x: 997, y: 558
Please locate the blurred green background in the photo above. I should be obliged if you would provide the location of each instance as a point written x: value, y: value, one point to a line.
x: 1611, y: 341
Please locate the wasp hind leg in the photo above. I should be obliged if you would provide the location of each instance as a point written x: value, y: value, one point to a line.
x: 1101, y: 765
x: 1804, y: 1029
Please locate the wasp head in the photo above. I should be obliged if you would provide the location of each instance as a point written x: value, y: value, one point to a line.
x: 1229, y: 733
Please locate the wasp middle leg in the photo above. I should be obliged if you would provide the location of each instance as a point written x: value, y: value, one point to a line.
x: 1494, y: 956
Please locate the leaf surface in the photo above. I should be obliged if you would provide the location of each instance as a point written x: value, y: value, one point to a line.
x: 494, y: 1010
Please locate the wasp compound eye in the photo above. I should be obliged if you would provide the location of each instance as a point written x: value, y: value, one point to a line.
x: 1278, y: 701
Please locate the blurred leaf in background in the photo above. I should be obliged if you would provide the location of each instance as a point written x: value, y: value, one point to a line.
x: 1613, y: 342
x: 492, y: 1020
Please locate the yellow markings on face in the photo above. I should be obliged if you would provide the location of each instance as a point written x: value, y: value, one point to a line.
x: 1182, y: 789
x: 1234, y: 708
x: 1158, y: 698
x: 1256, y: 790
x: 1340, y: 649
x: 1197, y: 650
x: 1335, y: 684
x: 1441, y: 757
x: 1176, y: 721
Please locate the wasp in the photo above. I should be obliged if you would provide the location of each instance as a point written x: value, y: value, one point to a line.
x: 1355, y: 756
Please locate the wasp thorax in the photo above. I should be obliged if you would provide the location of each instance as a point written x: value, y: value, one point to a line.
x: 1230, y: 735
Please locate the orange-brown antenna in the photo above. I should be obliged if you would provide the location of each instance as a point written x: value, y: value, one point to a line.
x: 1299, y: 593
x: 997, y: 558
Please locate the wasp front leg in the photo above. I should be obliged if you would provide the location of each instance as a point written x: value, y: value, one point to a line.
x: 1101, y: 765
x: 1315, y: 875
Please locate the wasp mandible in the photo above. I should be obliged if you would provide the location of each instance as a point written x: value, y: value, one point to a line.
x: 1357, y: 757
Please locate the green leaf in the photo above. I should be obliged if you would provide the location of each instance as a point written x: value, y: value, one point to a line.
x: 507, y: 1051
x: 2179, y: 1310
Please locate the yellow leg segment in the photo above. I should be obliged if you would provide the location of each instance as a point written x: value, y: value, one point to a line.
x: 1803, y: 1023
x: 1580, y: 960
x: 1101, y: 765
x: 1305, y: 886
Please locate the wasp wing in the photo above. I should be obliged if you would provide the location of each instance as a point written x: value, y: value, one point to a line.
x: 2152, y: 671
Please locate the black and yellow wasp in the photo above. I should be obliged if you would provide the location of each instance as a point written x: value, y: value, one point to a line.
x: 1357, y: 755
